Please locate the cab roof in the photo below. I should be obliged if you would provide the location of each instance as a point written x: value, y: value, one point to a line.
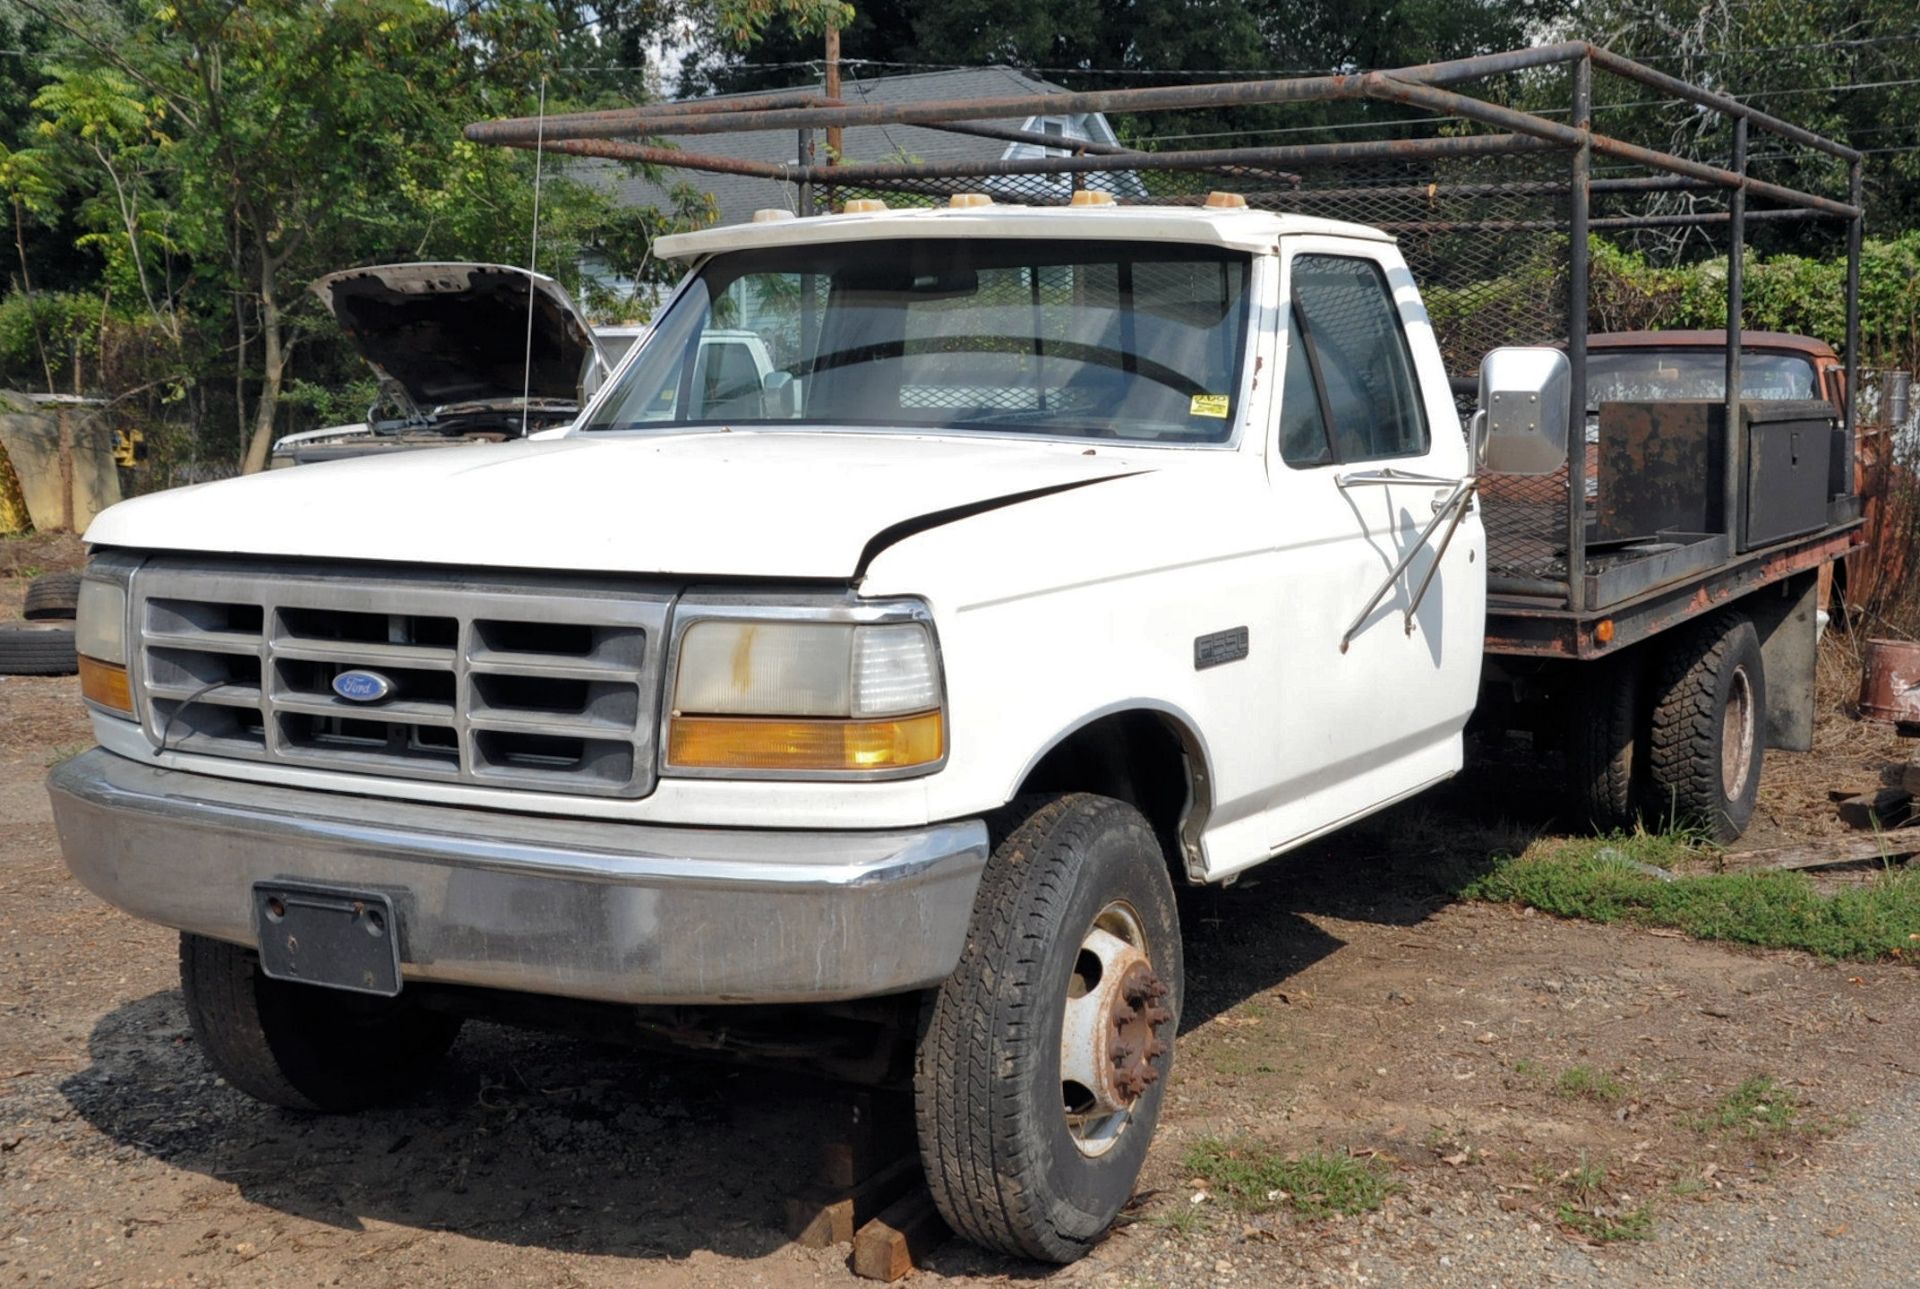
x: 1238, y: 229
x: 1688, y: 339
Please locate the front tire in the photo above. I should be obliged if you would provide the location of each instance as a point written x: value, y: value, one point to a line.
x: 1044, y: 1058
x: 305, y: 1047
x: 1707, y: 741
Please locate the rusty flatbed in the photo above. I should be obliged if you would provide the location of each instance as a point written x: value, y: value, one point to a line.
x: 1533, y: 627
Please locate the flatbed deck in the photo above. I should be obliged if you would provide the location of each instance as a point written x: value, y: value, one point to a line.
x: 1542, y: 626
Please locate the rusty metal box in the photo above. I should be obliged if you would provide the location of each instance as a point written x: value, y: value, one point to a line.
x: 1660, y: 469
x: 1661, y: 466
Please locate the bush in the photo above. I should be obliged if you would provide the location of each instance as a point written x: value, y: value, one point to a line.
x: 62, y: 323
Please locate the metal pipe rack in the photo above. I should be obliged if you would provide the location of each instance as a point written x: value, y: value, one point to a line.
x: 1442, y: 89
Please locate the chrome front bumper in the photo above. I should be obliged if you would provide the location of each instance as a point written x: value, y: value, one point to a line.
x: 633, y: 913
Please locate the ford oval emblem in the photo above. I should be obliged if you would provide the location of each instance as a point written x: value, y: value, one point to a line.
x: 362, y: 686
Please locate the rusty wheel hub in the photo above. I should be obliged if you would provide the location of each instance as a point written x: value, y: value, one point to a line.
x: 1114, y: 1040
x: 1137, y: 1017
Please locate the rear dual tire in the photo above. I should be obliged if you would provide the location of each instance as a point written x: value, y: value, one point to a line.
x: 1605, y: 732
x: 1676, y: 740
x: 1707, y: 740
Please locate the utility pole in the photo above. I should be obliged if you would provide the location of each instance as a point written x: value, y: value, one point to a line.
x: 833, y: 92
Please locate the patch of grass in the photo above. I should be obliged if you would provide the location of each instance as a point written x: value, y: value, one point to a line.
x: 1606, y: 879
x: 1255, y: 1178
x: 1688, y: 1188
x: 1607, y: 1228
x: 1583, y: 1082
x: 1759, y: 1107
x: 1239, y: 1061
x: 1527, y: 1069
x: 1587, y: 1179
x: 62, y: 752
x: 1180, y: 1218
x: 1583, y: 1213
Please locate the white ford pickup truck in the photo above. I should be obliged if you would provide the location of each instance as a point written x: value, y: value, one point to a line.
x: 1065, y: 557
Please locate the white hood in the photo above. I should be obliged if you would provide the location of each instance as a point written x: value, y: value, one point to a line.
x: 760, y: 504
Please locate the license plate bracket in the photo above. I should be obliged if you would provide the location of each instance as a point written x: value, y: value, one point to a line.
x: 322, y: 935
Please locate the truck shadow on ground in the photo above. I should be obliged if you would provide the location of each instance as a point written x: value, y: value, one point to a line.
x: 553, y: 1142
x: 1395, y: 869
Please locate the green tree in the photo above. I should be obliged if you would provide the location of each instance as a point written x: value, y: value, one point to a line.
x: 1843, y: 68
x: 29, y: 184
x: 1090, y: 44
x: 263, y: 144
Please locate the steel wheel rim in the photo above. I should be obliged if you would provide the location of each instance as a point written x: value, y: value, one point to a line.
x: 1736, y: 736
x: 1116, y: 942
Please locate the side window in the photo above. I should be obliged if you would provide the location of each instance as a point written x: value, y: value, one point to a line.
x: 1304, y: 440
x: 1347, y: 334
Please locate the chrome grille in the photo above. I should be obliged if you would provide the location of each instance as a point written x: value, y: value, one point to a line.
x: 548, y: 684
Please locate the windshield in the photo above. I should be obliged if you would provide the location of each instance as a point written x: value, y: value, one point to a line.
x: 1095, y: 339
x: 1636, y: 375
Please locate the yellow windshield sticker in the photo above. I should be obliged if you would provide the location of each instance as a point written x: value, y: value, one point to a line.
x: 1214, y: 405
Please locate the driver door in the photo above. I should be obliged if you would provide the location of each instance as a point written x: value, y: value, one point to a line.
x: 1381, y: 555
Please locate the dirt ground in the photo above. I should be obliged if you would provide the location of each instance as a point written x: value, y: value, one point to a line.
x: 1339, y: 1001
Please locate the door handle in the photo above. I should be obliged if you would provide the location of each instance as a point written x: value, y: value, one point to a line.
x: 1450, y: 510
x: 1389, y: 475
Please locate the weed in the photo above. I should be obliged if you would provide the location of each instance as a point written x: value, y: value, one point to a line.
x: 62, y: 752
x: 1254, y: 1178
x: 1605, y: 1228
x: 1583, y: 1082
x: 1527, y: 1069
x: 1688, y: 1187
x: 1608, y: 880
x: 1759, y: 1107
x: 1181, y: 1219
x: 1588, y: 1179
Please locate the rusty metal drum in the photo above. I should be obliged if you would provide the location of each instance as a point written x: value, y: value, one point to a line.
x: 1890, y: 681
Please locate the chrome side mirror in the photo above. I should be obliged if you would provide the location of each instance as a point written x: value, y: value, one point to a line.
x: 1521, y: 424
x: 779, y: 396
x: 592, y: 376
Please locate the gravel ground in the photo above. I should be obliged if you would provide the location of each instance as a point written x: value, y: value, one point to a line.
x: 1339, y: 1001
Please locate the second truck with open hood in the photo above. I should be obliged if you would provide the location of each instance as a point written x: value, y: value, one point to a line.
x: 466, y: 353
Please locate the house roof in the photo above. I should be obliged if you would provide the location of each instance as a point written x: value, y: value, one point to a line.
x: 738, y: 196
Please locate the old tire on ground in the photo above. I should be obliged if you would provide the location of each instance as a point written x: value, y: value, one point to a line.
x: 1072, y: 967
x: 1707, y: 736
x: 37, y: 649
x: 51, y: 595
x: 1603, y: 744
x: 303, y: 1046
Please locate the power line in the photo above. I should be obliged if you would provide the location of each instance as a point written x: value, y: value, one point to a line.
x: 1744, y: 51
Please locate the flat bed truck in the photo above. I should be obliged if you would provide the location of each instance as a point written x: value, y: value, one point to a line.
x: 1072, y: 551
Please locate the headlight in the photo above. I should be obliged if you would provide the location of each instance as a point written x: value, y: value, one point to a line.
x: 785, y: 695
x: 100, y: 635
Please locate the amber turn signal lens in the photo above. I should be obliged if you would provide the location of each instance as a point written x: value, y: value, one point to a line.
x: 755, y: 743
x: 105, y: 684
x: 1603, y: 632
